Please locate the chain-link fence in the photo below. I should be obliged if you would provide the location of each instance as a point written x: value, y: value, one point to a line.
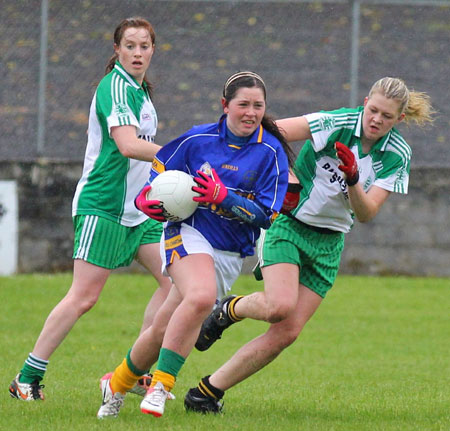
x: 312, y: 54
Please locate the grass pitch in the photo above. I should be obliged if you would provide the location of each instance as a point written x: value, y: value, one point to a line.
x: 376, y: 356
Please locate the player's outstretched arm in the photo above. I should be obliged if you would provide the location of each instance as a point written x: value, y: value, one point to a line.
x: 294, y: 128
x: 131, y: 146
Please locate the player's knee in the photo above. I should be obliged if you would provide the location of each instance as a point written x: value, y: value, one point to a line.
x: 85, y: 305
x: 81, y: 297
x: 276, y: 342
x: 79, y: 304
x: 280, y: 340
x: 206, y: 304
x: 202, y: 303
x: 288, y: 338
x: 279, y: 311
x: 165, y: 283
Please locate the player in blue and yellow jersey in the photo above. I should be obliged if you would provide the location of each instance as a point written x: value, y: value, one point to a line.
x: 241, y: 169
x: 109, y: 230
x: 251, y: 167
x: 352, y: 161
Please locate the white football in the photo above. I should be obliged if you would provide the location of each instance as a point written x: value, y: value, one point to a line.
x: 174, y: 190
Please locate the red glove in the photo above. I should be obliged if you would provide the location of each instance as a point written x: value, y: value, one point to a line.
x: 349, y: 165
x: 291, y: 198
x: 211, y: 189
x: 153, y: 208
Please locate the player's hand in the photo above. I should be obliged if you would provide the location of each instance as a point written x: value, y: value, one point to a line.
x: 291, y: 198
x: 210, y: 188
x: 349, y: 165
x: 152, y: 208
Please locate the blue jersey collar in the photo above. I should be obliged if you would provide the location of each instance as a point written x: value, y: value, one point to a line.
x: 255, y: 138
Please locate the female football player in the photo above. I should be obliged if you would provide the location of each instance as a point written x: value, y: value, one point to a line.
x: 241, y: 169
x: 352, y: 161
x: 109, y: 230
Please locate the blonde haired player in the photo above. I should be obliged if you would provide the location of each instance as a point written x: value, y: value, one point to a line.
x: 352, y: 161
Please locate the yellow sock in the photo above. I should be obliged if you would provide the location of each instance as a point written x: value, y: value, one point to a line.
x: 123, y: 378
x: 231, y: 311
x: 165, y: 378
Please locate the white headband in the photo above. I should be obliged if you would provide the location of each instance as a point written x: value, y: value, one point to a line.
x: 242, y: 75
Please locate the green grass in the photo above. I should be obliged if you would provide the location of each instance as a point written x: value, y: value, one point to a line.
x: 375, y: 356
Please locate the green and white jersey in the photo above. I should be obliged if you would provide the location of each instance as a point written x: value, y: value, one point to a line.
x: 110, y: 181
x: 324, y: 200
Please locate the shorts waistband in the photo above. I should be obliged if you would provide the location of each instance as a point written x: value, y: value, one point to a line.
x: 314, y: 228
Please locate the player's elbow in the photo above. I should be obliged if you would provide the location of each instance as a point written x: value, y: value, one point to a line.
x: 366, y: 217
x: 367, y: 213
x: 362, y: 219
x: 126, y: 152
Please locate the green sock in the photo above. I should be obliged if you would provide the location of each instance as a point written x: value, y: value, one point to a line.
x: 33, y: 369
x: 132, y: 367
x: 170, y: 362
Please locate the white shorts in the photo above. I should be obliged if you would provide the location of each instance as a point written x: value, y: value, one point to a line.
x: 228, y: 265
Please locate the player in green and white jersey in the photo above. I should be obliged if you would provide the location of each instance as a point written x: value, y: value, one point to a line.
x: 352, y: 161
x: 109, y: 231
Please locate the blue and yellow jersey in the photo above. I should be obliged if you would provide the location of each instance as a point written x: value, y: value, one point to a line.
x: 257, y: 171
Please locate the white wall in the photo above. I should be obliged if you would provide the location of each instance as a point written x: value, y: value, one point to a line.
x: 8, y: 227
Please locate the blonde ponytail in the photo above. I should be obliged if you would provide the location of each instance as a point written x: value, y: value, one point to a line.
x: 419, y: 109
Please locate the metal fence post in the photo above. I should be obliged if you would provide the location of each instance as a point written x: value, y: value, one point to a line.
x: 354, y: 53
x: 42, y: 77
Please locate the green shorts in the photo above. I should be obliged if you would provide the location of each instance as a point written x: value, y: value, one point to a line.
x: 317, y: 254
x: 108, y: 244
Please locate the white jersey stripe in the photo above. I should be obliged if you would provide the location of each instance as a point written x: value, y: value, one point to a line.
x: 402, y: 148
x: 115, y: 89
x: 126, y: 76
